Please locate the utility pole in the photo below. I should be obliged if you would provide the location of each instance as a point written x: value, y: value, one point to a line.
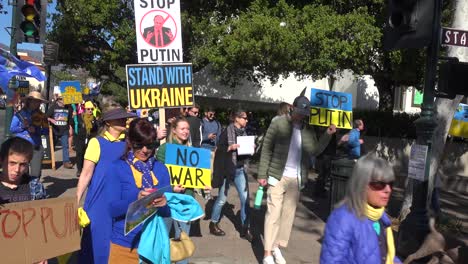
x: 414, y: 228
x: 13, y: 50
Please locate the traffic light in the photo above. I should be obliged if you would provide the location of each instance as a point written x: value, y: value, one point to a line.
x: 453, y: 79
x: 408, y: 24
x: 31, y: 21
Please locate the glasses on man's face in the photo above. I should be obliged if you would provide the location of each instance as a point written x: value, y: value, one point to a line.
x: 194, y: 112
x: 243, y: 117
x: 148, y: 146
x: 380, y: 185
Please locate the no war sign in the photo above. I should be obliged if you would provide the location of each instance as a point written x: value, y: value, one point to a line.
x: 328, y: 107
x: 188, y: 166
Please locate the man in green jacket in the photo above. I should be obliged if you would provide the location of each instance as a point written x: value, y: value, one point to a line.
x: 284, y: 163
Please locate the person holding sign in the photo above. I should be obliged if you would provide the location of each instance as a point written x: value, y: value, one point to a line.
x: 16, y: 184
x: 110, y: 143
x: 136, y: 174
x: 229, y: 168
x: 180, y: 134
x: 60, y: 116
x: 30, y: 123
x: 284, y: 163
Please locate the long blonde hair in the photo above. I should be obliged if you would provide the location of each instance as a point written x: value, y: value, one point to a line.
x: 172, y: 135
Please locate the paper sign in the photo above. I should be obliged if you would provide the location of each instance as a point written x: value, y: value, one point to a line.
x: 38, y: 230
x: 142, y: 209
x: 328, y: 107
x: 188, y: 166
x: 246, y: 145
x: 417, y: 162
x: 159, y: 86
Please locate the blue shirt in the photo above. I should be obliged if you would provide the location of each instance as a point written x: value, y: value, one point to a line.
x: 354, y: 146
x: 19, y: 129
x: 210, y: 127
x: 124, y: 193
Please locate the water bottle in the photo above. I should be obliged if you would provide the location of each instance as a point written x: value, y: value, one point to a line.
x: 258, y: 198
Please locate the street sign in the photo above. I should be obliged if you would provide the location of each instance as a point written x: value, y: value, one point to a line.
x: 454, y: 37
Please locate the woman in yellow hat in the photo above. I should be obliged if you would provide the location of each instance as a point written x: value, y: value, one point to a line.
x: 86, y: 129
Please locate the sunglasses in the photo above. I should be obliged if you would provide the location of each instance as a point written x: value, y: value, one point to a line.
x: 89, y: 109
x: 148, y: 146
x: 243, y: 117
x: 380, y: 185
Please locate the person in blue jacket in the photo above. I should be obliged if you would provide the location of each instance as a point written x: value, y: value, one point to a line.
x: 135, y: 175
x: 31, y: 123
x: 95, y: 177
x: 358, y: 230
x: 354, y: 140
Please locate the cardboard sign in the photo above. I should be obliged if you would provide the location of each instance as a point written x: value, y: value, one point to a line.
x: 417, y: 162
x: 71, y: 92
x: 159, y: 31
x: 188, y: 166
x: 159, y: 86
x: 37, y: 230
x: 328, y: 107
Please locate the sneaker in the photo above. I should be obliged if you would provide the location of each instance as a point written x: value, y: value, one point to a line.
x: 68, y: 165
x: 279, y: 259
x: 268, y: 260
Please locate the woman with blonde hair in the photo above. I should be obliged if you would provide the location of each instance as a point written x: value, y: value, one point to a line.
x: 359, y: 230
x: 100, y: 153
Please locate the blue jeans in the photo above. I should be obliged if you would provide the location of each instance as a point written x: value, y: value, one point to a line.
x: 64, y: 142
x: 240, y: 181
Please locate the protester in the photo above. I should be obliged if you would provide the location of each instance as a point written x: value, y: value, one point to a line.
x: 211, y: 129
x: 228, y: 169
x: 195, y: 125
x: 354, y: 141
x: 284, y: 164
x: 86, y: 128
x: 135, y: 175
x: 323, y: 165
x: 96, y: 177
x: 17, y: 185
x: 30, y: 123
x: 180, y: 133
x: 60, y: 116
x: 359, y: 231
x: 283, y: 109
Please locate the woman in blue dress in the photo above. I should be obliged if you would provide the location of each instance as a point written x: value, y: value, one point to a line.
x: 135, y: 176
x: 101, y: 152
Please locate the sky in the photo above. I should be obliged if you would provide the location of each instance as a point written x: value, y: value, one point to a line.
x: 5, y: 22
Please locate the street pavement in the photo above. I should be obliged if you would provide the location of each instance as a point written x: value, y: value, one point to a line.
x: 304, y: 246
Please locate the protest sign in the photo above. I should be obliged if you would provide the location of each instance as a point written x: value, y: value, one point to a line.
x: 188, y: 166
x: 159, y: 31
x: 159, y: 86
x: 328, y: 107
x: 71, y: 92
x: 38, y: 230
x: 142, y: 209
x: 459, y: 125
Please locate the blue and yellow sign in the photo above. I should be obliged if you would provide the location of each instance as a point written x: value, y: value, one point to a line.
x: 71, y: 92
x: 328, y: 107
x: 188, y: 166
x: 459, y: 126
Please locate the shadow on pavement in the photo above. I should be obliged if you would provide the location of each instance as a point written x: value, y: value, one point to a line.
x: 56, y: 187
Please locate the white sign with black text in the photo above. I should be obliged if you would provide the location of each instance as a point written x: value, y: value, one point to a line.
x: 417, y: 162
x: 158, y: 30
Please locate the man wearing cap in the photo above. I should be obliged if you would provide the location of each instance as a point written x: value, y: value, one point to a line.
x: 60, y: 116
x: 86, y: 128
x: 284, y: 162
x: 100, y: 153
x: 30, y: 123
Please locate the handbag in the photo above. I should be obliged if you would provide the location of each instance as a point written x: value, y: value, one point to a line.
x: 181, y: 248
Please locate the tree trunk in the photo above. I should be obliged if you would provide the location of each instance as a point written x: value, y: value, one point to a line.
x: 445, y: 109
x: 386, y: 95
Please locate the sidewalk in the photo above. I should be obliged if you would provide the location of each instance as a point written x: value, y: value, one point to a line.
x: 308, y: 226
